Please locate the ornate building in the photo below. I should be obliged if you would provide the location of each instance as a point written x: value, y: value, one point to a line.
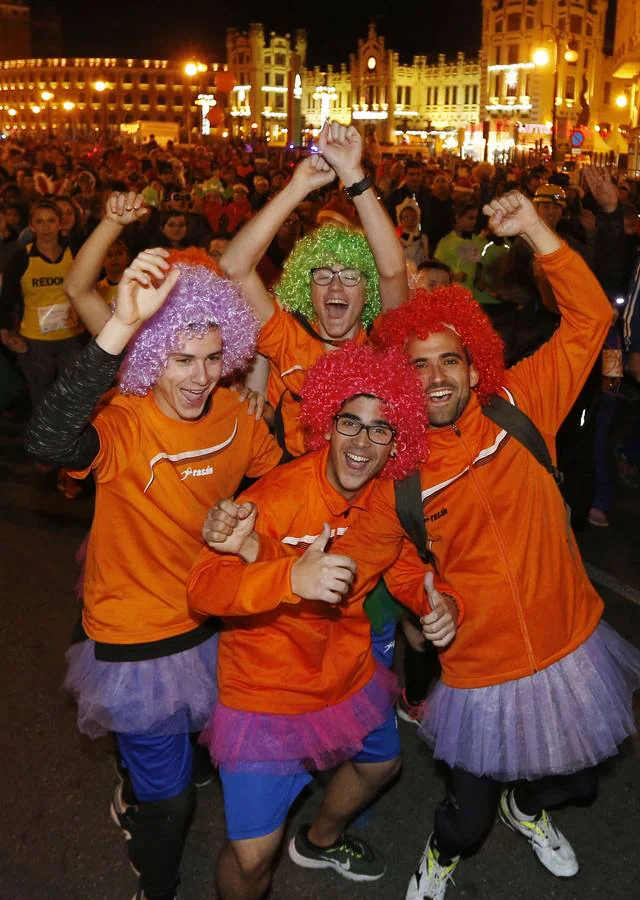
x: 395, y: 101
x: 541, y: 65
x: 544, y: 69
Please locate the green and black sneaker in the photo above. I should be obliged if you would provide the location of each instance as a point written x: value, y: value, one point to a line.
x: 349, y: 856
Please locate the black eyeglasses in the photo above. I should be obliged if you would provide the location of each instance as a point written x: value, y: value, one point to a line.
x: 377, y: 433
x: 323, y: 276
x: 181, y: 198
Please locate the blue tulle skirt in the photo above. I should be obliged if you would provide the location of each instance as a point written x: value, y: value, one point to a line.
x: 169, y: 695
x: 566, y: 718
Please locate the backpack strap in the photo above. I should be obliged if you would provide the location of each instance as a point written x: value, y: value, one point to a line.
x: 306, y: 325
x: 411, y: 514
x: 278, y: 427
x: 518, y: 424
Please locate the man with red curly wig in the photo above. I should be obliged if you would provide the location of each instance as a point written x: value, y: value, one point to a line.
x: 163, y: 448
x: 299, y: 688
x: 535, y: 689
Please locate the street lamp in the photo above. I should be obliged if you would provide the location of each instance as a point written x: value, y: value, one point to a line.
x: 541, y: 58
x: 101, y: 88
x: 69, y: 106
x: 191, y: 70
x: 47, y: 97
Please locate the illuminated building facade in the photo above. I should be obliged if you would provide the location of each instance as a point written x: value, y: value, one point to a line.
x: 374, y: 90
x: 82, y: 95
x: 544, y: 71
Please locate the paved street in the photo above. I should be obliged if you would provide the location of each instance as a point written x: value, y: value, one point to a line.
x: 57, y: 841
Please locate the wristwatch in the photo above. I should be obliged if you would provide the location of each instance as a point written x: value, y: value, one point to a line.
x: 358, y: 188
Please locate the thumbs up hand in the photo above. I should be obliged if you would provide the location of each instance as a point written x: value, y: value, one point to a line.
x: 318, y: 575
x: 439, y: 626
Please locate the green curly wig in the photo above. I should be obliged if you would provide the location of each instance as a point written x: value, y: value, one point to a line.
x: 327, y: 246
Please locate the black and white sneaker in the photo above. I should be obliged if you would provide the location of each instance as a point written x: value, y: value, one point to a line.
x: 350, y: 856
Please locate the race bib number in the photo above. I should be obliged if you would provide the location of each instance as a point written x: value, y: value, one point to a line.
x: 59, y: 317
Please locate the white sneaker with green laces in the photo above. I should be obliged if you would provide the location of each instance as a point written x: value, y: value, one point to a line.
x: 550, y: 846
x: 431, y: 878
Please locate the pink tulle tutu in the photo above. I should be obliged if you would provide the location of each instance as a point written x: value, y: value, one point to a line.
x: 279, y: 744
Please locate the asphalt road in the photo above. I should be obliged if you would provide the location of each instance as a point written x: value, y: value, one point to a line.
x: 57, y: 841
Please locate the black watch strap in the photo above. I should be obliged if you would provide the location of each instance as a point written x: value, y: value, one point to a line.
x: 358, y: 188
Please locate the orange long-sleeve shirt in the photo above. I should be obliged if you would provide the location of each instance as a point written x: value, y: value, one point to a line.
x: 496, y: 520
x: 156, y: 479
x: 277, y: 653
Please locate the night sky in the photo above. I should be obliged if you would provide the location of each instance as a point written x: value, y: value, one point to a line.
x: 154, y: 29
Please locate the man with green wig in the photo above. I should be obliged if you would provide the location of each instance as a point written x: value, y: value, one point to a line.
x: 334, y: 283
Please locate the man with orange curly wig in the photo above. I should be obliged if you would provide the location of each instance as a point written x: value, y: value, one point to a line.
x: 162, y: 448
x: 535, y: 689
x: 299, y: 688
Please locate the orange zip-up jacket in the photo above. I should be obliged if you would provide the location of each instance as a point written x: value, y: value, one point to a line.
x: 277, y: 653
x: 496, y: 519
x: 291, y: 352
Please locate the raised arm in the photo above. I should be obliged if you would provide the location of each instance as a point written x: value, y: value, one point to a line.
x: 342, y: 149
x: 60, y: 432
x: 548, y: 382
x: 247, y: 248
x: 80, y: 282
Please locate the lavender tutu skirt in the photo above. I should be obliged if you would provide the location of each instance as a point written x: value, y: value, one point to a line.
x: 286, y: 744
x: 169, y: 695
x: 563, y: 719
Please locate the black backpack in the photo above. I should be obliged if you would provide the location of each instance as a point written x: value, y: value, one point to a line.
x: 408, y: 491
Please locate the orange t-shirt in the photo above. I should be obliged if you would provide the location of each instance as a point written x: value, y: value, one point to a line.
x: 277, y: 653
x: 291, y: 352
x: 156, y: 480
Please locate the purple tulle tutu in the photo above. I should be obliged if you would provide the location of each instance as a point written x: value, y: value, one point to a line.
x: 279, y: 744
x: 565, y: 718
x: 169, y: 695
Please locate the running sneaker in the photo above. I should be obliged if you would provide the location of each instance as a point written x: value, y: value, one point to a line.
x: 410, y: 712
x: 550, y: 846
x: 431, y: 878
x: 350, y: 856
x: 123, y: 816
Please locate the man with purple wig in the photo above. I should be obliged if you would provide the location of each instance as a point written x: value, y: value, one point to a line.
x: 162, y: 448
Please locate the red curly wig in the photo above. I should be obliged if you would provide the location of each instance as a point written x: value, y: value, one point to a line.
x: 383, y: 373
x: 454, y: 307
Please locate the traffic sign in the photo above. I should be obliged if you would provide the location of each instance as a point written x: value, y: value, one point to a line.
x: 576, y: 138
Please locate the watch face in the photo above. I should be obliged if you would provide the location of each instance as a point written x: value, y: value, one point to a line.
x: 371, y: 63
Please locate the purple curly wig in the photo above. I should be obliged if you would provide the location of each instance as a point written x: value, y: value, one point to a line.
x: 386, y: 374
x: 202, y: 299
